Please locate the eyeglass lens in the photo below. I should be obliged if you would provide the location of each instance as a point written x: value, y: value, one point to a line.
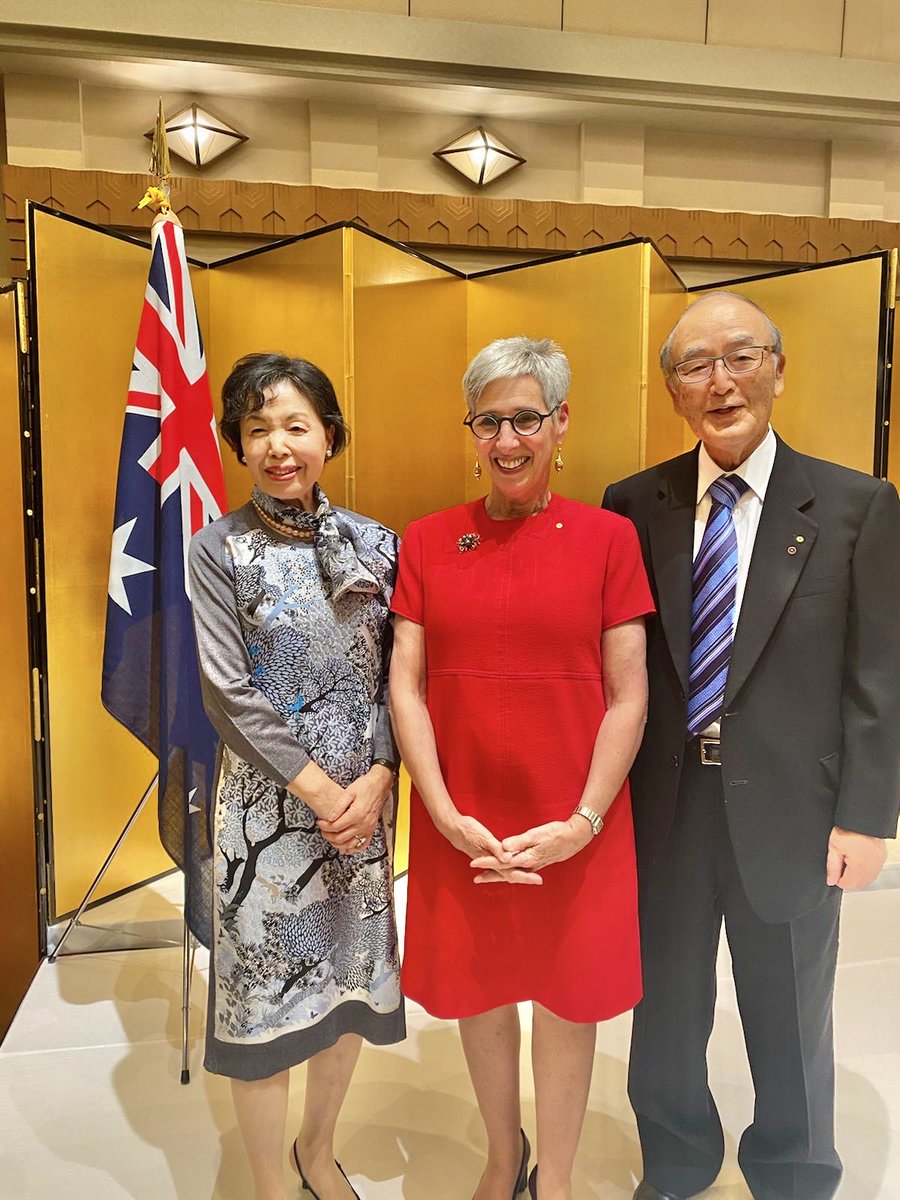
x: 737, y: 362
x: 525, y: 423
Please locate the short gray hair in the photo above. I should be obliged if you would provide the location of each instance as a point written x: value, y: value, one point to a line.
x: 507, y: 358
x: 665, y: 353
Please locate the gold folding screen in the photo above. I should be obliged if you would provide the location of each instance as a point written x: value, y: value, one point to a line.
x: 18, y: 894
x: 394, y: 332
x: 89, y: 289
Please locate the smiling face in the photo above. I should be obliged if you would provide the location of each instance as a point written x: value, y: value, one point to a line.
x: 284, y: 445
x: 728, y: 413
x: 517, y: 465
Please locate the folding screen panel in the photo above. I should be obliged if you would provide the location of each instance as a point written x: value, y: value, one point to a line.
x: 18, y: 893
x: 593, y: 306
x: 408, y: 345
x: 665, y: 433
x: 289, y: 298
x: 831, y: 318
x: 89, y: 288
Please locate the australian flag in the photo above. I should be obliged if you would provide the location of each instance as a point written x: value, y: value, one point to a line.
x: 170, y: 484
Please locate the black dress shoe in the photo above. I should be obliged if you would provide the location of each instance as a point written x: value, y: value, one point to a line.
x: 305, y: 1182
x: 646, y: 1191
x: 522, y: 1177
x: 532, y: 1183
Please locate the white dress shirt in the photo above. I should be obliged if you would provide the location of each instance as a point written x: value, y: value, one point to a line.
x: 755, y: 471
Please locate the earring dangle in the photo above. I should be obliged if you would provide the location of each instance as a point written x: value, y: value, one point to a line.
x: 328, y: 453
x: 477, y: 471
x: 558, y: 461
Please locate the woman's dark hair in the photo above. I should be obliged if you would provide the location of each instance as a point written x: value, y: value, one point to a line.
x: 251, y: 376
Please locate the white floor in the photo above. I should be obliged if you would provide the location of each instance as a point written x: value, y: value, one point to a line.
x: 91, y: 1107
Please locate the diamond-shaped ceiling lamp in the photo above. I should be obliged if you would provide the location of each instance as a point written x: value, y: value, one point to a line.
x: 480, y: 156
x: 198, y: 136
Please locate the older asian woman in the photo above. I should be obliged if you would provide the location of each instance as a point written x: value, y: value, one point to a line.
x: 518, y: 695
x: 291, y: 614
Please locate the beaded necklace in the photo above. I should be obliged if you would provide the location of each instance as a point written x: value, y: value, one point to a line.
x: 291, y: 531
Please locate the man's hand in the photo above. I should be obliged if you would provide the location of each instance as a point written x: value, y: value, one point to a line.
x: 854, y: 859
x: 358, y: 811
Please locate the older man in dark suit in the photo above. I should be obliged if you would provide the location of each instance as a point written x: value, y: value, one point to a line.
x: 770, y: 770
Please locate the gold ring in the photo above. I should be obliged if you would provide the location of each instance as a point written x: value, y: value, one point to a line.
x: 360, y: 840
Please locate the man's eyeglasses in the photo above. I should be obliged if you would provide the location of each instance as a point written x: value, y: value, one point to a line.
x: 736, y: 362
x: 525, y: 423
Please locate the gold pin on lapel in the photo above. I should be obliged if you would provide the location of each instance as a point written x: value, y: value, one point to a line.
x: 799, y: 538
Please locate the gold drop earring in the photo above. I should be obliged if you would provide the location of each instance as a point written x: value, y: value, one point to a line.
x: 477, y: 471
x: 558, y: 461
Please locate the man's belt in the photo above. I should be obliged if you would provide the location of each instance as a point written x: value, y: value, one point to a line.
x: 710, y: 751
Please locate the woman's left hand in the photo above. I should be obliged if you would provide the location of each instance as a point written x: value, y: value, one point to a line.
x: 351, y: 827
x: 534, y: 849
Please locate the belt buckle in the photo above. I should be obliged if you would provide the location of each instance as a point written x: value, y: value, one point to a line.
x: 710, y: 751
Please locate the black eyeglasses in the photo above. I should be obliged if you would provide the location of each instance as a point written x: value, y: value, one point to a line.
x: 736, y: 362
x: 525, y: 423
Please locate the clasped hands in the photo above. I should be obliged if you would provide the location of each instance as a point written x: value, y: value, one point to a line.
x: 348, y: 816
x: 518, y: 859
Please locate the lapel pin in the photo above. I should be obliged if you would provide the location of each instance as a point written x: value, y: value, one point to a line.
x: 792, y: 549
x: 799, y: 538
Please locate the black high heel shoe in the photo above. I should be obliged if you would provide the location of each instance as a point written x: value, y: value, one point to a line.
x: 522, y: 1177
x: 532, y: 1183
x: 305, y: 1182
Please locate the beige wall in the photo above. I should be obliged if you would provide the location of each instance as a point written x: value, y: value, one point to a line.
x: 76, y: 124
x: 858, y: 28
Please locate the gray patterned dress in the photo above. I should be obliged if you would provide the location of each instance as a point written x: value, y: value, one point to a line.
x: 292, y: 638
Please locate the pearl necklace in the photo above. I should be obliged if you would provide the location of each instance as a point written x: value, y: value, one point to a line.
x: 291, y: 531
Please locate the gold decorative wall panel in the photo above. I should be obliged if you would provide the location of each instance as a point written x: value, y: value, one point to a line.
x: 478, y: 221
x: 89, y: 293
x: 291, y: 298
x: 666, y: 433
x: 830, y: 321
x: 409, y: 346
x: 18, y: 889
x: 592, y: 306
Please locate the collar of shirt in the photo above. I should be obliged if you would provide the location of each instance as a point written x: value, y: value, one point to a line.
x: 755, y: 470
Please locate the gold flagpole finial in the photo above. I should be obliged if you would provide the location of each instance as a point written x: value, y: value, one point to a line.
x: 157, y: 194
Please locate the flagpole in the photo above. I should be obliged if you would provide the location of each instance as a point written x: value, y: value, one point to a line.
x: 157, y: 197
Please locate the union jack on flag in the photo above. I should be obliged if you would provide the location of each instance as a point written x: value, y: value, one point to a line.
x: 170, y: 484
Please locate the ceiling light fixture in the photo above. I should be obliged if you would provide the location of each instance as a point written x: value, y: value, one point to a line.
x: 479, y: 156
x: 196, y: 135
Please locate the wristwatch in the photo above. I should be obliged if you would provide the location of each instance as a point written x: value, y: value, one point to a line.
x: 385, y: 762
x: 593, y: 818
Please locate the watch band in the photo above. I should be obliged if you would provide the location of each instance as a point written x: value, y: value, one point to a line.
x: 385, y: 762
x: 593, y: 818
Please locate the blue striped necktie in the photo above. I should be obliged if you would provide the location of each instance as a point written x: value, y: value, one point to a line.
x: 712, y: 606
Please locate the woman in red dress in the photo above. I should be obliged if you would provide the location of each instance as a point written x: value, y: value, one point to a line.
x: 518, y: 695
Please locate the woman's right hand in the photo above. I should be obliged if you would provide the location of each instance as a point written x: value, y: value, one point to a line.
x: 475, y: 840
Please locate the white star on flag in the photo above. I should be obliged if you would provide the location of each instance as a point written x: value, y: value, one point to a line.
x: 122, y: 564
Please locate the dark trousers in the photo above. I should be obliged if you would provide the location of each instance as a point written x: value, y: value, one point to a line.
x: 784, y: 977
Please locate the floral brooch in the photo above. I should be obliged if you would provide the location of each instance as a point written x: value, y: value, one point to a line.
x: 468, y: 541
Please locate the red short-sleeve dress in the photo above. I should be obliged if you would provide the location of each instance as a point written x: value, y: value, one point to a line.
x: 513, y: 612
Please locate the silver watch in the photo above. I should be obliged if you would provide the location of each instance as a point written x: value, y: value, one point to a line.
x: 593, y: 818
